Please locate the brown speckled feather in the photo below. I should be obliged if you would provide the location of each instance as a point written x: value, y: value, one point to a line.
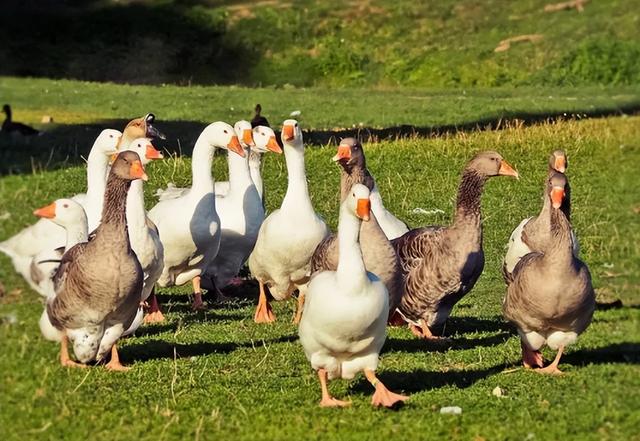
x: 377, y: 252
x: 551, y: 290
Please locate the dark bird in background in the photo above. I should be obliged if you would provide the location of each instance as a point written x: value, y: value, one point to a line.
x: 259, y: 120
x: 8, y: 126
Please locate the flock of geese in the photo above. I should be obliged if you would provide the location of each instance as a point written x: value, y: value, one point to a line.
x: 97, y: 257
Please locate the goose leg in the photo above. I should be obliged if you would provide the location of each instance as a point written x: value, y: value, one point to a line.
x: 327, y: 400
x: 65, y: 360
x: 154, y: 315
x: 300, y: 307
x: 531, y: 358
x: 264, y: 313
x: 423, y: 331
x: 396, y: 319
x: 197, y: 304
x: 114, y: 363
x: 383, y: 396
x: 553, y: 367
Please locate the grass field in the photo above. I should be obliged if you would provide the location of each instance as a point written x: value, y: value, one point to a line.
x: 218, y: 375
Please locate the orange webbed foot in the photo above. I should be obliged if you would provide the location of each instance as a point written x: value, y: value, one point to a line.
x: 384, y: 397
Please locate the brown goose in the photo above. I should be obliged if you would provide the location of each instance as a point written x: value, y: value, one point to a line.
x: 519, y: 241
x: 551, y: 298
x: 379, y: 255
x: 442, y: 264
x: 98, y: 283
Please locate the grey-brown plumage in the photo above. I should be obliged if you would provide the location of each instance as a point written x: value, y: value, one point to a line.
x: 536, y: 229
x: 551, y: 298
x: 442, y: 264
x: 98, y: 283
x: 378, y: 254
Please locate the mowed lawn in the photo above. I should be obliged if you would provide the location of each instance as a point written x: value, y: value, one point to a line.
x: 218, y: 375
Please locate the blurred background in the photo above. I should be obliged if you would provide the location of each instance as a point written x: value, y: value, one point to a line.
x: 374, y: 43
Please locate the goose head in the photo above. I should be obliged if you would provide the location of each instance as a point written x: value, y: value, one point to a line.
x: 558, y: 161
x: 6, y: 109
x: 244, y: 133
x: 492, y: 164
x: 145, y: 149
x: 140, y: 128
x: 265, y: 139
x: 556, y: 186
x: 358, y: 202
x: 291, y: 133
x: 128, y: 166
x: 107, y: 142
x: 350, y: 154
x: 64, y: 212
x: 220, y: 135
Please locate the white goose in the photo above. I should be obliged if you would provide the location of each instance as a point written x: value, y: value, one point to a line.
x: 345, y: 315
x: 143, y: 234
x: 391, y: 225
x: 240, y: 209
x: 288, y: 236
x: 189, y: 224
x: 45, y: 235
x: 70, y: 215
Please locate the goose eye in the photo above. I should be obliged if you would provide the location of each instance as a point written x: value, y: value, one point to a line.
x: 110, y: 136
x: 226, y: 131
x: 65, y: 205
x: 296, y: 124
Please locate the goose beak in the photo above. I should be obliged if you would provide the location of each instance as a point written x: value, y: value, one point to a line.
x: 363, y: 209
x: 234, y: 146
x: 560, y: 164
x: 287, y: 133
x: 507, y: 170
x: 137, y: 171
x: 344, y: 152
x: 113, y: 157
x: 247, y: 137
x: 557, y: 195
x: 48, y: 212
x: 152, y: 153
x: 272, y: 145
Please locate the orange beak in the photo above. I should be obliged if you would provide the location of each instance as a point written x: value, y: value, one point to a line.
x: 152, y: 153
x: 560, y: 164
x: 287, y: 133
x: 113, y: 158
x: 137, y: 171
x: 507, y: 170
x: 247, y: 137
x: 272, y: 145
x: 48, y: 212
x: 557, y: 195
x: 234, y: 146
x: 363, y: 209
x: 344, y: 152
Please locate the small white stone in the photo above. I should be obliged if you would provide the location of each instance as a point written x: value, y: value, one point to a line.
x: 451, y: 410
x: 498, y: 392
x: 295, y: 113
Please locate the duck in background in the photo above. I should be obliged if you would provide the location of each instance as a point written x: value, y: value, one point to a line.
x: 379, y: 256
x: 550, y: 297
x: 343, y: 326
x: 96, y: 302
x: 442, y: 264
x: 281, y: 258
x: 258, y: 119
x: 11, y: 127
x: 525, y: 232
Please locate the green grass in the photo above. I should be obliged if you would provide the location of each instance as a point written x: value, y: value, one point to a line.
x: 183, y: 111
x: 382, y: 43
x: 217, y: 375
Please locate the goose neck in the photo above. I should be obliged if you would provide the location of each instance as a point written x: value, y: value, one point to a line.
x: 255, y: 163
x: 201, y: 161
x: 115, y: 204
x: 351, y: 270
x: 136, y: 214
x: 77, y: 233
x: 239, y: 176
x: 97, y: 168
x: 297, y: 194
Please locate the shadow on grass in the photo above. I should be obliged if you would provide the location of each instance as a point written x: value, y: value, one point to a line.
x: 466, y: 325
x: 627, y: 352
x: 159, y: 349
x: 421, y: 380
x: 420, y: 345
x: 65, y: 145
